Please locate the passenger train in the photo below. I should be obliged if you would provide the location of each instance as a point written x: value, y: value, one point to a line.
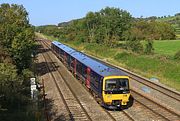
x: 109, y: 85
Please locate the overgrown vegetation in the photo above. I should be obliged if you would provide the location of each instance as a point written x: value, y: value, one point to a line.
x: 134, y: 43
x: 174, y: 21
x: 110, y: 26
x: 16, y: 46
x: 163, y: 67
x: 166, y: 70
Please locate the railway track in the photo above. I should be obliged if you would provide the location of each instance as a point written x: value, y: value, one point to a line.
x: 73, y: 106
x: 165, y: 95
x: 156, y: 108
x: 113, y: 115
x: 148, y: 104
x: 160, y: 88
x: 174, y: 95
x: 120, y: 115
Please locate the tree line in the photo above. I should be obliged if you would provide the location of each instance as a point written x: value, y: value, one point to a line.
x: 16, y: 46
x: 112, y: 26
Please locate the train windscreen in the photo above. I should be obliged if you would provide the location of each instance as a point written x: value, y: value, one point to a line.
x: 117, y: 86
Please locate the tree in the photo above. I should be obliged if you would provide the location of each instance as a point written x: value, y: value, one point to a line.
x: 152, y: 30
x: 9, y: 84
x: 17, y: 35
x: 16, y: 46
x: 133, y: 43
x: 116, y: 21
x: 92, y: 22
x: 108, y: 25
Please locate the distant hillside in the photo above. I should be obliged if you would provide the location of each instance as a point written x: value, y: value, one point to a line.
x: 174, y: 20
x: 63, y: 24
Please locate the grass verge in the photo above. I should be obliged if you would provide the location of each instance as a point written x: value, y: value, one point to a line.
x: 166, y: 70
x: 167, y: 47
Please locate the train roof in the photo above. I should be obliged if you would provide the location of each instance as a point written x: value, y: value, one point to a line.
x: 66, y: 48
x: 95, y: 65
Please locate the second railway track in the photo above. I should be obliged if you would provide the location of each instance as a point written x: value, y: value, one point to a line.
x: 113, y: 115
x: 165, y: 115
x: 160, y: 88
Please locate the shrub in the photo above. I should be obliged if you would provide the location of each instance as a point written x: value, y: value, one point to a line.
x: 149, y: 47
x: 135, y: 46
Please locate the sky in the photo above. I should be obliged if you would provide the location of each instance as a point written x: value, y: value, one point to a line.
x: 43, y: 12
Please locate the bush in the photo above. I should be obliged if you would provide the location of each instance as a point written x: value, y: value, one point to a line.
x: 177, y: 55
x: 149, y: 47
x: 135, y: 46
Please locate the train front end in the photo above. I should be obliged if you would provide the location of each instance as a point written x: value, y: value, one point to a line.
x: 116, y: 92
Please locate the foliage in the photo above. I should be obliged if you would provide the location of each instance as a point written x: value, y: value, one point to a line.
x: 149, y: 47
x: 9, y: 85
x: 132, y: 42
x: 103, y: 27
x: 167, y: 70
x: 152, y: 30
x: 109, y: 26
x: 17, y: 35
x: 135, y: 46
x: 8, y: 77
x: 49, y: 30
x: 16, y: 46
x: 174, y: 21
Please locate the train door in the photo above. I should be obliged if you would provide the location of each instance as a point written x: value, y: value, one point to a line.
x: 75, y: 63
x: 58, y: 54
x: 69, y: 60
x: 88, y: 77
x: 65, y: 58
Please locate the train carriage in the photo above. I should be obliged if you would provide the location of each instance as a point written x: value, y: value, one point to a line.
x: 110, y: 85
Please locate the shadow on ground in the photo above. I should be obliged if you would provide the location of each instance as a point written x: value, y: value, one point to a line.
x: 41, y: 68
x: 52, y: 113
x: 44, y: 67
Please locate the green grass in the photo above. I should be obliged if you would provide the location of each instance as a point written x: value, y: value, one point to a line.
x: 166, y: 70
x: 167, y: 47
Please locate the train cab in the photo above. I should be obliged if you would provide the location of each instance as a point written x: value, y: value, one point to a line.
x: 116, y: 91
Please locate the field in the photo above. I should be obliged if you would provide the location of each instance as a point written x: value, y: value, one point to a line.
x: 166, y: 70
x: 167, y: 47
